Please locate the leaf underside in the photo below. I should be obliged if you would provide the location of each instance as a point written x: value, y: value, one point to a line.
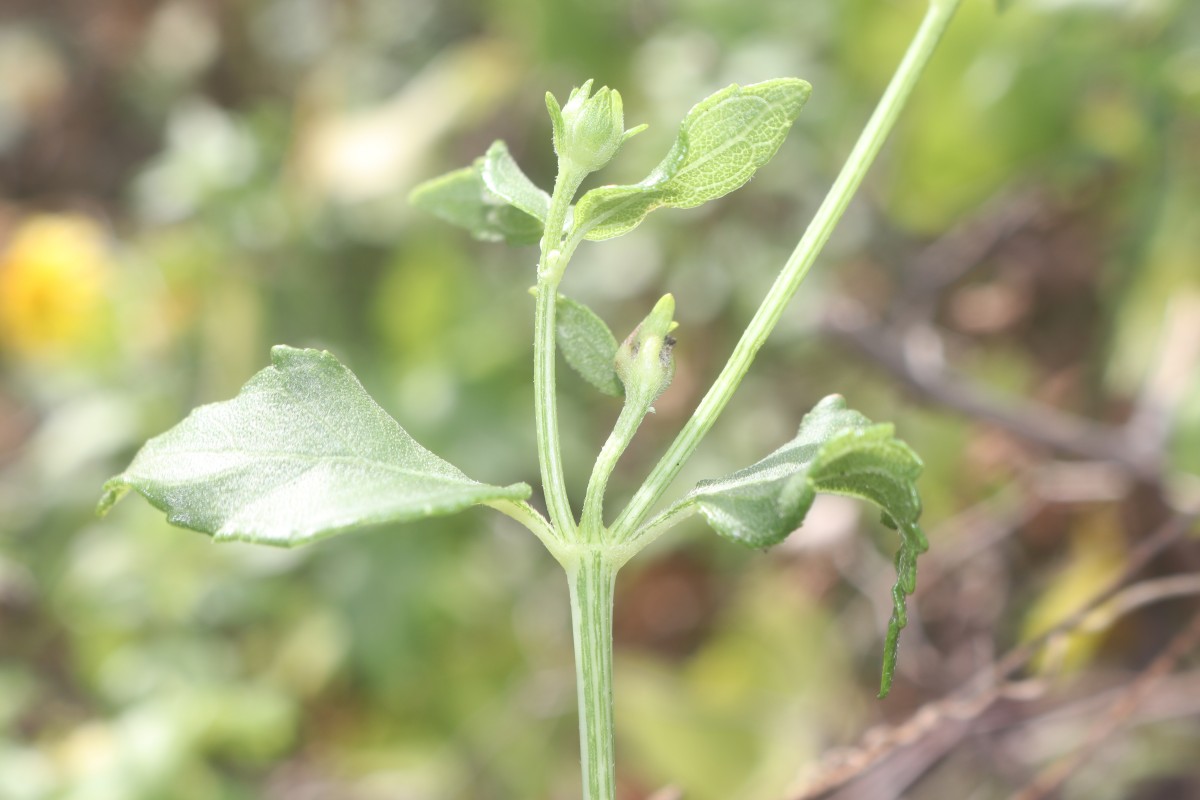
x: 588, y: 345
x: 722, y: 141
x: 463, y: 198
x: 301, y: 453
x: 504, y: 178
x: 837, y: 451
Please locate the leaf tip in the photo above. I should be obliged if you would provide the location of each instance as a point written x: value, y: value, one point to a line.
x: 518, y: 491
x: 114, y: 490
x: 556, y: 117
x: 833, y: 402
x: 798, y: 87
x: 634, y: 131
x: 889, y: 658
x: 285, y: 356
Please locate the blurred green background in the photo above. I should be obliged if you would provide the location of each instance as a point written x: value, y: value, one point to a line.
x: 184, y: 183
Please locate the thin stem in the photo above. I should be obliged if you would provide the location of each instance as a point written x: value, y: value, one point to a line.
x: 528, y: 516
x: 592, y: 521
x: 550, y: 270
x: 592, y: 577
x: 660, y: 524
x: 794, y: 271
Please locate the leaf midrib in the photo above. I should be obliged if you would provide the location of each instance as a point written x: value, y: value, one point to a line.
x: 660, y: 190
x: 343, y: 458
x: 764, y: 107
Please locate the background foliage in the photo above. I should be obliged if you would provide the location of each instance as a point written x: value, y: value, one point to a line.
x: 184, y: 183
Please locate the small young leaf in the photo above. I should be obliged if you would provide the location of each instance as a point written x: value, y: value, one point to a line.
x: 588, y: 345
x: 722, y: 141
x: 837, y: 451
x: 462, y: 198
x: 504, y: 178
x: 301, y: 453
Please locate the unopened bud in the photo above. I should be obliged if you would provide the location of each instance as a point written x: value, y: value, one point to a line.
x: 644, y: 362
x: 589, y: 129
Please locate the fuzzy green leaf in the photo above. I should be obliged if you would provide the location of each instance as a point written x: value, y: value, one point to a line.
x: 722, y: 141
x: 504, y: 178
x: 462, y: 198
x: 301, y: 453
x: 588, y: 345
x: 838, y: 451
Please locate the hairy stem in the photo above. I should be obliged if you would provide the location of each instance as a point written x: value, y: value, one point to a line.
x: 659, y: 525
x: 592, y: 576
x: 550, y: 269
x: 630, y: 419
x: 528, y: 516
x: 794, y: 271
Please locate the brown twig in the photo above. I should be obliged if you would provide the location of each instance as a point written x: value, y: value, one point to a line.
x: 953, y: 255
x: 909, y: 347
x: 1142, y: 593
x: 1061, y: 432
x: 1054, y: 777
x: 1146, y: 551
x: 1173, y: 698
x: 989, y: 686
x: 948, y: 718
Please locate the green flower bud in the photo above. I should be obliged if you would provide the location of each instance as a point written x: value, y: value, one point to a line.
x: 589, y: 129
x: 644, y: 362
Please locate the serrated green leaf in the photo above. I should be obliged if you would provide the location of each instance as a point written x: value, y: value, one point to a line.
x: 722, y: 141
x: 588, y: 345
x: 504, y: 178
x: 462, y: 198
x: 301, y: 453
x: 837, y: 451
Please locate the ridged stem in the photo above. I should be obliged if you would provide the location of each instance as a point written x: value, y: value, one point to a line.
x: 550, y: 269
x: 592, y: 575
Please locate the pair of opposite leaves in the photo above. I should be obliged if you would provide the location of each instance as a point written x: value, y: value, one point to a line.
x: 303, y: 452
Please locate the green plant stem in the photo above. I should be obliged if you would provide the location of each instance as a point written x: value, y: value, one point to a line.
x: 528, y: 516
x: 592, y: 575
x: 660, y: 524
x: 550, y: 270
x: 628, y: 422
x: 794, y: 271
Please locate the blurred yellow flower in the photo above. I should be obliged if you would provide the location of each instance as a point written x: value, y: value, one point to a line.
x: 53, y: 276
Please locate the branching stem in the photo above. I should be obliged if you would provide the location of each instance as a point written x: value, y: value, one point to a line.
x: 592, y: 561
x: 794, y: 271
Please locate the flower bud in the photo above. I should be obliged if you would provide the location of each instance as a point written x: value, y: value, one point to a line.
x: 644, y: 362
x: 589, y: 129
